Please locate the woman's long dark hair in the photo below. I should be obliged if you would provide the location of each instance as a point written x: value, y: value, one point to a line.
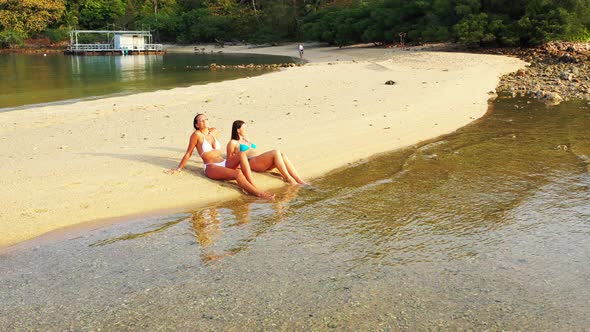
x: 234, y: 129
x: 195, y: 121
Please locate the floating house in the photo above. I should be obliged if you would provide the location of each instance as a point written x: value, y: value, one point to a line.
x: 118, y: 43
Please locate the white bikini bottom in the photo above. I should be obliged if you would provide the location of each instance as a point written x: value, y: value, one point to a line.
x: 221, y: 163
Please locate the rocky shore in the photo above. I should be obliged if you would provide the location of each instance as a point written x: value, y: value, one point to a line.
x: 557, y: 71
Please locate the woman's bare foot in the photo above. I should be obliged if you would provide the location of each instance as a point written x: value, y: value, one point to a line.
x: 290, y: 181
x: 265, y: 195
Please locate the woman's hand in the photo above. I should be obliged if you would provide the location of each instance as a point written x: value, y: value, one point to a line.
x: 172, y: 170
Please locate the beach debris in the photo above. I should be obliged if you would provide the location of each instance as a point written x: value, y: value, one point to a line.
x: 123, y: 135
x: 520, y: 73
x: 562, y: 147
x: 62, y: 147
x: 390, y: 82
x: 332, y: 325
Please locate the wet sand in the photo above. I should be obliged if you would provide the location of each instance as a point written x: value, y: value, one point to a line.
x: 99, y: 159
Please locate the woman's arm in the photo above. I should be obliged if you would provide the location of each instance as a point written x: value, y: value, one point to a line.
x: 231, y: 148
x: 189, y: 152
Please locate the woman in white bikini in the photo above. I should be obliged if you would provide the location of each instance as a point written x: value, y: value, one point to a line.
x: 264, y: 161
x: 204, y: 139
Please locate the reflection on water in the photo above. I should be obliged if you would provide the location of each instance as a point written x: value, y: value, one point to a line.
x: 37, y: 79
x: 224, y: 229
x: 227, y: 229
x: 484, y: 229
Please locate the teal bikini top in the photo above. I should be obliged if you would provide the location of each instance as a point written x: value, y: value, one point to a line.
x: 245, y: 147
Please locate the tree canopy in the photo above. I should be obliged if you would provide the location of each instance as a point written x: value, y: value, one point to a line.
x: 28, y: 16
x: 338, y: 22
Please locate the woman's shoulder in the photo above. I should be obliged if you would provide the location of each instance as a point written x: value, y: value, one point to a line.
x: 196, y: 136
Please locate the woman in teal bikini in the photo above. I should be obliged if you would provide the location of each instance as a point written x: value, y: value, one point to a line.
x: 204, y: 139
x: 264, y: 161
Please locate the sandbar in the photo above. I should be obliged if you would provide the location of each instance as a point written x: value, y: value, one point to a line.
x: 68, y: 164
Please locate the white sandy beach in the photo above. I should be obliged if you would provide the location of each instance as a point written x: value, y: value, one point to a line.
x: 69, y: 164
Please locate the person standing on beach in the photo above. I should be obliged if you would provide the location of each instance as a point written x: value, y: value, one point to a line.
x: 301, y: 51
x: 204, y: 139
x: 261, y: 162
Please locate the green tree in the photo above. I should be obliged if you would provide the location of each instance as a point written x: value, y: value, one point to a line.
x: 98, y: 14
x: 27, y: 16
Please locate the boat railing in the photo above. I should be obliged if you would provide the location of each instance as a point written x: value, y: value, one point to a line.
x: 90, y: 47
x: 110, y: 47
x: 154, y: 47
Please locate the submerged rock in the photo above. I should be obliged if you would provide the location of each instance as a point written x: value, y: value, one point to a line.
x: 552, y: 98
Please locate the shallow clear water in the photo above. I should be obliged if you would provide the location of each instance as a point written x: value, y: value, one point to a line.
x: 484, y: 229
x: 36, y: 79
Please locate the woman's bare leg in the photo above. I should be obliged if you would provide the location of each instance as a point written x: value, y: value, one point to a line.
x: 223, y: 173
x: 241, y: 160
x: 291, y: 169
x: 269, y: 160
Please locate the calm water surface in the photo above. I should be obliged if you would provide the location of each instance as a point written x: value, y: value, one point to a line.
x: 485, y: 229
x: 35, y: 79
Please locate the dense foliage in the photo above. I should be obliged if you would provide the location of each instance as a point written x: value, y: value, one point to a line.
x: 501, y: 22
x: 338, y: 22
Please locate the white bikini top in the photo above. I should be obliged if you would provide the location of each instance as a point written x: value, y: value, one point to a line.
x: 206, y: 146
